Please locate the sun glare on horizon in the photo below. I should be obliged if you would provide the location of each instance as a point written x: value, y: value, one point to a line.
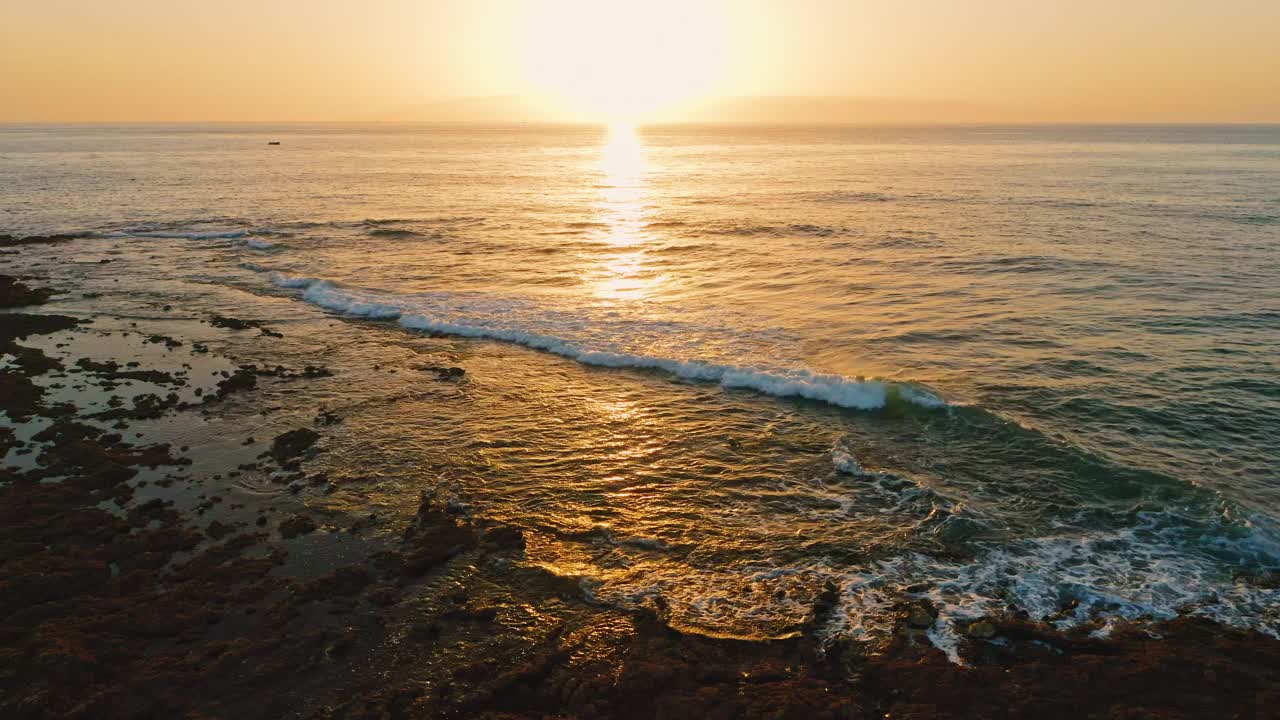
x: 623, y: 62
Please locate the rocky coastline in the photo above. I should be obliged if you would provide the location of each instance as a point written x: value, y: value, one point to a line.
x: 141, y: 578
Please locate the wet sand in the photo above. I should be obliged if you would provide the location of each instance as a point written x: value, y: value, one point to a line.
x: 183, y: 534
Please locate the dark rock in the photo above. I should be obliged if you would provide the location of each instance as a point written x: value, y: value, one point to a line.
x: 163, y: 340
x: 343, y: 582
x: 919, y: 614
x: 423, y: 632
x: 17, y: 326
x: 292, y: 444
x: 981, y: 630
x: 828, y: 600
x: 383, y: 595
x: 31, y: 361
x: 7, y: 440
x: 14, y: 293
x: 297, y: 525
x: 241, y: 379
x: 20, y: 398
x: 469, y: 613
x: 28, y: 361
x: 231, y: 323
x: 147, y: 406
x: 11, y: 241
x: 504, y: 536
x: 443, y: 372
x: 217, y: 530
x: 316, y: 371
x: 111, y: 369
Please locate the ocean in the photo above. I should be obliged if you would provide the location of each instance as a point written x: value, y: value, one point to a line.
x: 721, y: 370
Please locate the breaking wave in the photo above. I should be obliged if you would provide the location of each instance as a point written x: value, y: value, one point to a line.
x: 841, y: 391
x: 1095, y: 579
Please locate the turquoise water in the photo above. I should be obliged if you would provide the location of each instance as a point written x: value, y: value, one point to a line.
x: 1010, y: 369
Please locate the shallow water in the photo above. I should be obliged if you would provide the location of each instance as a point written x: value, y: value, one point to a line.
x: 1027, y: 369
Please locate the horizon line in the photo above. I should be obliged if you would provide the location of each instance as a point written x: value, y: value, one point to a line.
x: 669, y: 123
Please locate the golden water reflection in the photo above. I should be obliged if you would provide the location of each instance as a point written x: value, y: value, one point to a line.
x: 622, y: 216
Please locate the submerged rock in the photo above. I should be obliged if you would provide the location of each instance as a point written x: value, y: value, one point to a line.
x: 981, y: 630
x: 230, y: 323
x: 217, y: 530
x: 443, y: 372
x: 163, y: 340
x: 17, y: 326
x: 823, y: 607
x: 30, y: 360
x: 19, y: 397
x: 111, y: 369
x: 292, y: 444
x: 15, y: 293
x: 342, y: 582
x: 11, y: 241
x: 919, y: 614
x: 505, y: 537
x: 297, y: 525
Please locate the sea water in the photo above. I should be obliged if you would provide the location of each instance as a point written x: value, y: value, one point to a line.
x: 1025, y: 370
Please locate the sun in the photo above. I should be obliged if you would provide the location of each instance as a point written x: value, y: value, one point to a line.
x: 623, y: 61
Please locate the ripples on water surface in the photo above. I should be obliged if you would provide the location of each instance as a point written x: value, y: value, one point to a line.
x: 1099, y: 308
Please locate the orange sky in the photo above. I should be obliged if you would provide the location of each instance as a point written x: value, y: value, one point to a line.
x: 927, y: 60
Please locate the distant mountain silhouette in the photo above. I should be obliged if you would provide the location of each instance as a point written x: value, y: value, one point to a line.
x: 799, y: 109
x: 767, y: 110
x: 492, y: 108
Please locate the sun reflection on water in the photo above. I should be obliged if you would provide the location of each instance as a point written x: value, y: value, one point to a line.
x: 622, y: 161
x: 622, y: 213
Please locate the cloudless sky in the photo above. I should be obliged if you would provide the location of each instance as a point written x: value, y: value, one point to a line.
x: 1092, y: 60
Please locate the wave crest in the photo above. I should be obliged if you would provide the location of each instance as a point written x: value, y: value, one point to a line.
x: 847, y: 392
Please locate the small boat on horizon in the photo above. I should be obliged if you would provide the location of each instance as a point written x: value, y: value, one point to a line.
x: 273, y: 142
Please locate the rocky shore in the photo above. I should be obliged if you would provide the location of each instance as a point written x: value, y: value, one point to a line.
x: 143, y: 576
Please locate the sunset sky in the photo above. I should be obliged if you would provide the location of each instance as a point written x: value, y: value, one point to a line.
x: 922, y: 60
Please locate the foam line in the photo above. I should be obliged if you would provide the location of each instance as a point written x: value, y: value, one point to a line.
x: 841, y: 391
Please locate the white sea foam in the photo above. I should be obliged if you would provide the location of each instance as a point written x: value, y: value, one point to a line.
x: 845, y: 462
x: 1097, y: 579
x: 848, y: 392
x: 837, y: 390
x: 946, y: 519
x: 857, y: 393
x: 328, y: 296
x: 1101, y: 578
x: 259, y: 244
x: 291, y: 281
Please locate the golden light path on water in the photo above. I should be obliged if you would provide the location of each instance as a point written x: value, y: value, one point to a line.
x: 622, y: 216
